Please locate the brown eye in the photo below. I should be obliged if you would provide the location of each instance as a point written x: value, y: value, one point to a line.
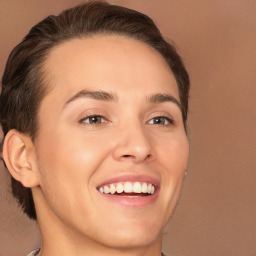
x: 93, y: 120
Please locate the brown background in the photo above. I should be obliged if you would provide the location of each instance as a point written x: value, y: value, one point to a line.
x: 217, y: 38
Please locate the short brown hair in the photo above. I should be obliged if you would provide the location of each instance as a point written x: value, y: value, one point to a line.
x: 23, y: 82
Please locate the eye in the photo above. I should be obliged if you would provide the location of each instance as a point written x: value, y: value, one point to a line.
x: 94, y: 119
x: 161, y: 120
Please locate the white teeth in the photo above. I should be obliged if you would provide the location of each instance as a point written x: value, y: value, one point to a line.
x: 119, y: 188
x: 149, y: 188
x: 128, y: 187
x: 144, y: 187
x: 112, y: 189
x: 152, y: 190
x: 106, y: 189
x: 136, y: 187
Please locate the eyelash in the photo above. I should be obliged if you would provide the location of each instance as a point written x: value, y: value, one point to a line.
x: 167, y: 120
x: 90, y: 117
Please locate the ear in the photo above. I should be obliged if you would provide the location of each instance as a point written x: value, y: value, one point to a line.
x: 19, y: 157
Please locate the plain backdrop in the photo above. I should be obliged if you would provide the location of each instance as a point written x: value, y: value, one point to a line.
x: 217, y: 38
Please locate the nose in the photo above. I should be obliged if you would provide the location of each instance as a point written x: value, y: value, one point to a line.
x: 133, y: 144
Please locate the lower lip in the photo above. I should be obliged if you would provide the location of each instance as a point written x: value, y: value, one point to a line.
x: 134, y: 201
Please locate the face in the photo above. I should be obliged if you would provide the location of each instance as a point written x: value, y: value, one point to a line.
x: 111, y: 148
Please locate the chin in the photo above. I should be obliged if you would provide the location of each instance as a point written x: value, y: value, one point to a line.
x: 131, y: 241
x: 132, y: 236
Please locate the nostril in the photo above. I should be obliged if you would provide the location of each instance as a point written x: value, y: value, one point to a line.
x: 136, y: 157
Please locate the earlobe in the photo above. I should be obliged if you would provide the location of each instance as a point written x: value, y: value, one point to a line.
x: 19, y: 158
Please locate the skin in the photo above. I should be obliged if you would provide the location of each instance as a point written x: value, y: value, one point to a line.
x: 71, y: 156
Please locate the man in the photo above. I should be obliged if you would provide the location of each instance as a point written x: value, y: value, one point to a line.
x: 94, y: 108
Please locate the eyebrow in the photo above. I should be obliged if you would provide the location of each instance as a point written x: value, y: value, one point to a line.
x: 160, y: 98
x: 96, y: 95
x: 110, y: 96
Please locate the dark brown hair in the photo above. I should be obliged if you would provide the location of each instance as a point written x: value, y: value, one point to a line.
x: 24, y: 84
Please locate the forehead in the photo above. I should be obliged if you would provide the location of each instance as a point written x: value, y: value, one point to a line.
x: 117, y: 62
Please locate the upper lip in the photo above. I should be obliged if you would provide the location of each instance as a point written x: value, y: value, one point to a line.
x: 132, y: 178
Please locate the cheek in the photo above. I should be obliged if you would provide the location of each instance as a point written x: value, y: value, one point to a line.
x: 66, y: 164
x: 180, y: 154
x: 174, y: 157
x: 173, y: 153
x: 72, y: 157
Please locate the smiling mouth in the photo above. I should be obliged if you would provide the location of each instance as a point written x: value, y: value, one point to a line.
x: 128, y: 189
